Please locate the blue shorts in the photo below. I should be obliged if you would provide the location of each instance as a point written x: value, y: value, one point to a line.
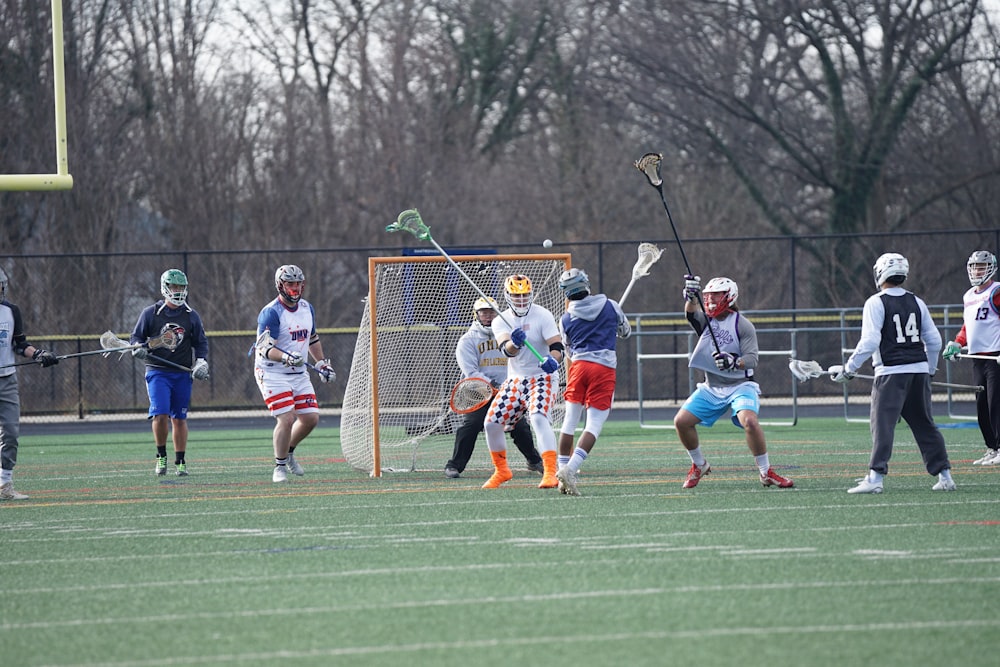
x: 708, y: 406
x: 169, y: 393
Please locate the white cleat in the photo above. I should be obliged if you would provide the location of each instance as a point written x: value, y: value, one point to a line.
x: 944, y: 484
x: 992, y: 458
x: 866, y: 485
x: 7, y: 492
x: 567, y: 481
x: 280, y: 474
x: 294, y: 467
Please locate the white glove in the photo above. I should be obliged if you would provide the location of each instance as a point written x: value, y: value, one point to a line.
x: 292, y: 359
x: 692, y: 287
x: 325, y: 370
x: 140, y: 353
x: 725, y: 361
x: 838, y: 374
x: 200, y: 370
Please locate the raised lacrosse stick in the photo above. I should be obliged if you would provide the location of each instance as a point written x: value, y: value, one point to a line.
x: 808, y: 370
x: 649, y: 254
x: 112, y: 343
x: 265, y: 339
x: 649, y: 165
x: 410, y: 221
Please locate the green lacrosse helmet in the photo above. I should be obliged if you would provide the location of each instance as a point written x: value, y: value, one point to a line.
x: 169, y: 281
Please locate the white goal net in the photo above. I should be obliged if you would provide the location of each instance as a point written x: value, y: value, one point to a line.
x: 396, y: 415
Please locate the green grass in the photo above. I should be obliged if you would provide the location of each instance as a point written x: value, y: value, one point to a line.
x: 108, y: 565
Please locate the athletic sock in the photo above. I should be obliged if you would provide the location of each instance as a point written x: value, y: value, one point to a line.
x: 280, y: 462
x: 562, y: 460
x: 161, y: 451
x: 697, y: 457
x: 579, y: 456
x: 178, y: 458
x: 763, y: 463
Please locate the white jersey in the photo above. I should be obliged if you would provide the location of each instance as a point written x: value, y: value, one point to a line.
x: 982, y: 321
x: 540, y: 326
x: 291, y: 330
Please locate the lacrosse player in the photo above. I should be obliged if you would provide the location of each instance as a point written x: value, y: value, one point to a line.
x: 589, y: 327
x: 727, y: 351
x: 898, y: 334
x: 13, y: 343
x: 528, y: 387
x: 479, y: 356
x: 172, y: 335
x: 279, y: 367
x: 981, y: 333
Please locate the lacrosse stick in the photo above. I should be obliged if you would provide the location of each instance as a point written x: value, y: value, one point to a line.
x: 649, y: 165
x: 470, y: 394
x: 808, y: 370
x: 112, y: 343
x: 410, y: 221
x: 649, y: 254
x: 266, y: 339
x: 985, y: 357
x: 102, y: 351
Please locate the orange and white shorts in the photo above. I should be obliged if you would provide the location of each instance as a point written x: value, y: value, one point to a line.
x: 518, y: 396
x: 590, y: 384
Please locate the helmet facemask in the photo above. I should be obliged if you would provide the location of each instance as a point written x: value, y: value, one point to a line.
x: 174, y: 287
x: 719, y: 296
x: 483, y: 312
x: 982, y: 265
x: 290, y: 281
x: 517, y: 291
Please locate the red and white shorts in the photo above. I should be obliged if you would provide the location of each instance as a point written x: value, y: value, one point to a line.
x: 590, y: 384
x: 286, y: 391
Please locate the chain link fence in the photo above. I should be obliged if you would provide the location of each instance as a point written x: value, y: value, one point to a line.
x: 68, y: 300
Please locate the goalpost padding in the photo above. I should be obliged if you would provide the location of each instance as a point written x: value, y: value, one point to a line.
x: 396, y: 416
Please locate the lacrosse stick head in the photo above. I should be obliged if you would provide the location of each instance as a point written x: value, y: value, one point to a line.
x: 410, y: 221
x: 804, y: 370
x: 112, y: 343
x: 649, y: 254
x: 470, y: 394
x: 649, y: 165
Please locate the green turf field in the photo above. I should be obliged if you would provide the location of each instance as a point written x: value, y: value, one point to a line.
x: 107, y: 564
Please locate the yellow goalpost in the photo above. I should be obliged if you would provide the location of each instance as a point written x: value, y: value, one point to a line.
x: 61, y: 180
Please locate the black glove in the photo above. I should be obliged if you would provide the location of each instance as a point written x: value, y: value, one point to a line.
x: 45, y: 358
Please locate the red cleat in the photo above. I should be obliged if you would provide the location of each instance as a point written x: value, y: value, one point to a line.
x: 695, y: 474
x: 771, y: 478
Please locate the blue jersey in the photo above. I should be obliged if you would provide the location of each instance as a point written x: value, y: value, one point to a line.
x: 187, y: 342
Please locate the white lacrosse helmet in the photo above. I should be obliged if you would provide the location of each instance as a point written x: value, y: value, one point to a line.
x: 573, y: 282
x: 170, y: 280
x: 981, y: 266
x: 3, y: 285
x: 720, y: 285
x: 888, y: 265
x: 487, y: 303
x: 517, y: 291
x: 286, y: 274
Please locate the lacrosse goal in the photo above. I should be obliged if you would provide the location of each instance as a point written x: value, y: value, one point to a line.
x: 396, y: 415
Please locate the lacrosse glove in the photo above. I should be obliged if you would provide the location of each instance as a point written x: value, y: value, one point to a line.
x: 951, y: 351
x: 325, y: 370
x: 200, y: 370
x: 692, y: 288
x: 839, y: 374
x: 45, y: 358
x: 725, y: 361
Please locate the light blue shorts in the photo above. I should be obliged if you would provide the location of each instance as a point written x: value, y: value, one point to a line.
x: 708, y: 406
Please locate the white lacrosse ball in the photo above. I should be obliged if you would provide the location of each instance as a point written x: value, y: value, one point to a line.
x: 547, y: 243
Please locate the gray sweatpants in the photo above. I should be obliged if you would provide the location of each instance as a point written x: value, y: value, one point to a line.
x: 10, y: 421
x: 906, y: 395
